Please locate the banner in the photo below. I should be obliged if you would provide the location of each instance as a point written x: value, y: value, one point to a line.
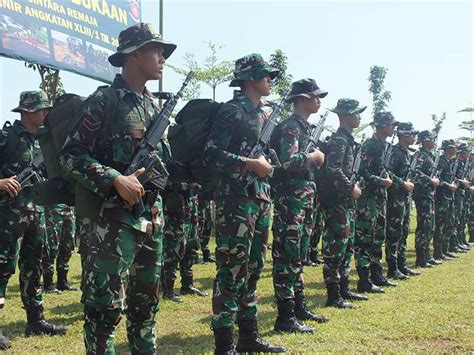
x: 72, y: 35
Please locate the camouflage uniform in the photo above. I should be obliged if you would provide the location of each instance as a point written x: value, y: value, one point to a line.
x: 242, y: 213
x: 313, y: 250
x: 371, y: 208
x: 460, y: 202
x: 60, y: 228
x: 123, y: 253
x: 22, y: 223
x: 338, y: 209
x: 444, y: 215
x: 423, y: 195
x: 181, y: 243
x: 206, y: 224
x: 397, y: 202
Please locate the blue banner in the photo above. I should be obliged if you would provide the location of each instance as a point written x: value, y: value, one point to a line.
x: 72, y: 35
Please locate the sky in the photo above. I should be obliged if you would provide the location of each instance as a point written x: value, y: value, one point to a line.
x: 427, y: 47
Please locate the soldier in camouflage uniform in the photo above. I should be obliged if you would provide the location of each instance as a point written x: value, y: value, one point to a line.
x: 180, y: 243
x: 206, y: 224
x: 294, y: 195
x: 398, y: 200
x: 460, y: 218
x: 123, y: 253
x: 243, y: 213
x: 371, y: 206
x: 423, y: 195
x: 444, y: 198
x: 22, y: 223
x: 471, y: 199
x: 60, y: 228
x: 337, y: 194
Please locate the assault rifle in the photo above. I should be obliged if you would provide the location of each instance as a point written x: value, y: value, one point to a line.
x: 434, y: 170
x: 316, y: 133
x: 466, y: 169
x: 411, y: 170
x: 387, y: 158
x: 146, y: 155
x: 259, y: 148
x: 454, y: 168
x: 30, y: 172
x: 356, y: 166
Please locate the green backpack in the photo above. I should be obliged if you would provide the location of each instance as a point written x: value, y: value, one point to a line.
x: 51, y: 137
x: 189, y: 135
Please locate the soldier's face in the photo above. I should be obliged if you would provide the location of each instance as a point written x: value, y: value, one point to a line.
x: 354, y: 120
x: 36, y: 118
x: 388, y: 130
x: 310, y: 104
x: 263, y: 87
x: 150, y: 61
x: 451, y: 151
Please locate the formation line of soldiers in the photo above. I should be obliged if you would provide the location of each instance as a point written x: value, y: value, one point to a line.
x: 359, y: 196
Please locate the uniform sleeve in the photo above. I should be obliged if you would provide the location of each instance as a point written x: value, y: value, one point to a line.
x: 289, y: 153
x: 216, y: 154
x: 420, y: 171
x: 77, y: 157
x: 370, y: 164
x: 445, y: 175
x: 336, y: 152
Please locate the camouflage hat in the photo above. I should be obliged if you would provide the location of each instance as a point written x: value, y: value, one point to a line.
x: 383, y: 119
x: 305, y: 87
x: 464, y: 148
x: 406, y: 129
x: 252, y: 67
x: 134, y: 37
x: 448, y: 143
x: 348, y: 107
x: 32, y: 101
x: 424, y: 136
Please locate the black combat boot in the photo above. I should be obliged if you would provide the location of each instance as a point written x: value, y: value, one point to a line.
x: 37, y: 325
x: 48, y: 285
x: 446, y: 253
x: 421, y: 259
x: 63, y: 284
x: 349, y: 295
x: 303, y: 313
x: 4, y: 343
x: 187, y: 287
x: 206, y: 256
x: 430, y: 259
x: 364, y: 284
x: 438, y: 252
x: 406, y: 271
x: 394, y: 272
x: 286, y: 321
x: 168, y: 291
x: 334, y: 297
x: 251, y: 342
x: 223, y: 338
x: 377, y: 278
x: 314, y: 256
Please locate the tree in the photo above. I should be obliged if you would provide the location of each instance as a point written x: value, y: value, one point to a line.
x: 468, y: 126
x: 212, y: 72
x: 50, y: 80
x: 467, y: 109
x: 380, y: 96
x: 282, y: 83
x: 438, y: 122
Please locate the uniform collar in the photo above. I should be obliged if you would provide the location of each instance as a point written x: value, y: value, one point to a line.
x: 120, y: 84
x: 345, y: 132
x: 246, y: 103
x: 300, y: 119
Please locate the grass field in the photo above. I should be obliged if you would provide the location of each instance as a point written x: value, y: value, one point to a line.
x: 433, y: 312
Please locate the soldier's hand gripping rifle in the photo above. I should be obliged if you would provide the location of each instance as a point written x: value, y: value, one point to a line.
x: 29, y: 175
x: 358, y: 159
x: 259, y: 148
x: 146, y: 155
x: 316, y: 133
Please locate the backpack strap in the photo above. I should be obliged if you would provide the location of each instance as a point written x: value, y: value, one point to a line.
x: 110, y: 109
x: 12, y: 141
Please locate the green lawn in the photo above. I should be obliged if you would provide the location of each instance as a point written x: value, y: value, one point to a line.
x: 433, y: 312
